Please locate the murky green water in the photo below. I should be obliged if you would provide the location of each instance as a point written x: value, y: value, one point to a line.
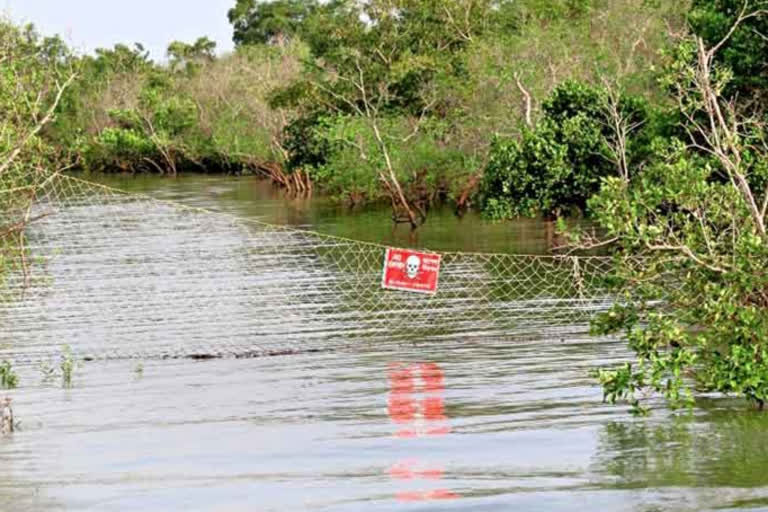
x: 258, y: 199
x: 462, y: 423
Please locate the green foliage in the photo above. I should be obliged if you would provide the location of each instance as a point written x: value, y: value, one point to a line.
x: 744, y: 52
x: 342, y: 154
x: 620, y: 385
x: 29, y: 69
x: 189, y: 57
x: 307, y: 141
x: 118, y: 147
x: 146, y: 134
x: 555, y: 167
x: 112, y: 76
x: 397, y: 48
x: 200, y: 113
x: 714, y: 326
x: 34, y: 73
x: 445, y: 71
x: 691, y: 250
x: 555, y: 9
x: 67, y: 366
x: 377, y: 77
x: 257, y: 22
x: 8, y: 378
x: 691, y: 244
x: 119, y: 59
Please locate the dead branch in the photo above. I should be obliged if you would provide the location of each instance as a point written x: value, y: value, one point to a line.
x: 527, y: 107
x: 621, y: 126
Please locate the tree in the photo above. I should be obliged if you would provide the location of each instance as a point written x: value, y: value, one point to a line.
x: 258, y: 22
x: 381, y: 65
x: 556, y: 166
x: 34, y: 75
x: 121, y: 58
x: 744, y: 50
x: 186, y: 56
x: 690, y: 242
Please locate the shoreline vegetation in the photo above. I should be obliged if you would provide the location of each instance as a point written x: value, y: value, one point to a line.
x: 647, y: 117
x: 353, y: 100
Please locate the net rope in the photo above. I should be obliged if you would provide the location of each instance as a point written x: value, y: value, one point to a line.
x: 122, y: 275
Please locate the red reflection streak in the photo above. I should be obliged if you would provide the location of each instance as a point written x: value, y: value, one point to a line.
x: 406, y: 471
x: 430, y: 474
x: 401, y: 471
x: 400, y: 379
x: 442, y: 494
x: 437, y: 494
x: 404, y: 408
x: 432, y: 408
x: 432, y: 376
x: 410, y: 496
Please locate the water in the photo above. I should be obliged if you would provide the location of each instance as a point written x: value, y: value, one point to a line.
x: 258, y: 199
x: 463, y: 423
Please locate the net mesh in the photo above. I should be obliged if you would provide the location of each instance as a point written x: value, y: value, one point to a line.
x: 121, y: 275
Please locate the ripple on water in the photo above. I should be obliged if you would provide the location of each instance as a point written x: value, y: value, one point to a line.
x: 472, y: 421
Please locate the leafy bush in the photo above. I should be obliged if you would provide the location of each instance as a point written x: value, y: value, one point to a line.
x: 342, y: 156
x: 8, y: 377
x: 201, y: 113
x: 35, y: 73
x: 555, y: 167
x: 307, y: 141
x: 744, y: 52
x: 702, y: 258
x: 691, y: 243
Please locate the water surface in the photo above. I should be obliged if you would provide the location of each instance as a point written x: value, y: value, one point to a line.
x: 461, y: 422
x: 259, y: 199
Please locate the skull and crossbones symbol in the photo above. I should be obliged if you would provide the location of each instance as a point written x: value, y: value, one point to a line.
x: 412, y: 266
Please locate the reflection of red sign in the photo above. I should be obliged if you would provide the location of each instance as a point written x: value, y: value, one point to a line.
x: 416, y: 406
x: 410, y: 271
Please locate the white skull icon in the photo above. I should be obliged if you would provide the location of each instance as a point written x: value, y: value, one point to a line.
x: 412, y: 265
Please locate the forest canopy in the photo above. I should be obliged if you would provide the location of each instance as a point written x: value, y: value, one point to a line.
x: 407, y: 102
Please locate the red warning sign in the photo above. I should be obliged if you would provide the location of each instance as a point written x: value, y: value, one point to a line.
x: 411, y: 271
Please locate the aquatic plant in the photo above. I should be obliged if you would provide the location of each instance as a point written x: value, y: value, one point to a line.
x: 67, y: 366
x: 8, y: 378
x: 47, y: 371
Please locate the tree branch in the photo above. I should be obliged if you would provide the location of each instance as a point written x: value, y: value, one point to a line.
x: 47, y: 119
x: 526, y: 99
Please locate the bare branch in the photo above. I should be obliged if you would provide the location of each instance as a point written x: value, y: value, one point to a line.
x: 743, y: 16
x: 526, y: 99
x: 685, y: 250
x: 40, y: 125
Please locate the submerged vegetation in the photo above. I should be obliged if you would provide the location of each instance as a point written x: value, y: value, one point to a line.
x: 67, y: 366
x: 8, y: 377
x: 648, y: 117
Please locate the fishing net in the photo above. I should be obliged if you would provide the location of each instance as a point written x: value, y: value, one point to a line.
x: 121, y: 275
